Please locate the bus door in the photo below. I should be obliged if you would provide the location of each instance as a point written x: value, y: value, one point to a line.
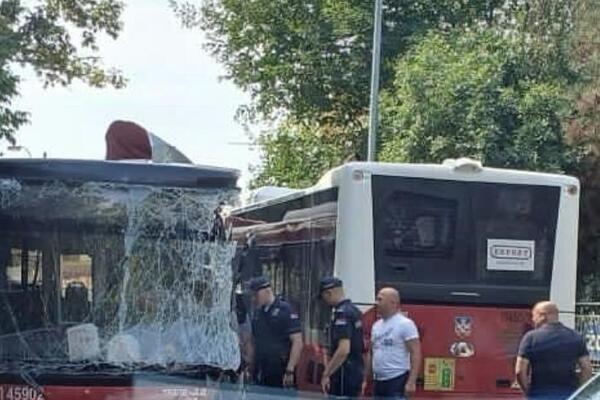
x: 295, y: 243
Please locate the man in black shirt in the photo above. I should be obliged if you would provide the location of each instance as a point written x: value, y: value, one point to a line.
x: 277, y: 337
x: 548, y: 357
x: 343, y: 374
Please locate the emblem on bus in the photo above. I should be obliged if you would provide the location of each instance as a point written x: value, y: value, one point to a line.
x: 463, y: 326
x: 462, y: 349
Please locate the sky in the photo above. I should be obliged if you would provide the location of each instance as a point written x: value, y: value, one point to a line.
x: 173, y: 90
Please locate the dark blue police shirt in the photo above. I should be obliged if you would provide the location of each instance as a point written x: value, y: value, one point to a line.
x: 553, y: 351
x: 271, y: 327
x: 346, y: 324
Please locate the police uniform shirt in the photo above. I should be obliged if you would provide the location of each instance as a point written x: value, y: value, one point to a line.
x: 272, y: 326
x: 346, y: 324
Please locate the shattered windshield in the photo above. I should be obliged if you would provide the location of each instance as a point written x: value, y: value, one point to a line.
x: 113, y: 276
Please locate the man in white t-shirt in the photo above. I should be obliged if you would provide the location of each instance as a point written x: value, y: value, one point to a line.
x: 395, y: 356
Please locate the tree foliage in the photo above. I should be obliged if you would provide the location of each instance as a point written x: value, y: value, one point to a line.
x: 476, y: 94
x: 58, y: 39
x: 311, y: 59
x: 297, y: 155
x: 583, y: 129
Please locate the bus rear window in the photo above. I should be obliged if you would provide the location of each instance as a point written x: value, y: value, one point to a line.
x: 453, y: 241
x: 418, y: 225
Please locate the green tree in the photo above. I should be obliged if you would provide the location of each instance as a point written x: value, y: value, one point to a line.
x: 58, y: 40
x: 476, y: 94
x: 308, y: 63
x: 297, y: 155
x: 583, y: 129
x: 10, y: 119
x: 311, y: 59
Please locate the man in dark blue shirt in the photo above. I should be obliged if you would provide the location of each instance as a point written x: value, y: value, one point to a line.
x: 276, y: 335
x: 548, y: 357
x: 343, y: 374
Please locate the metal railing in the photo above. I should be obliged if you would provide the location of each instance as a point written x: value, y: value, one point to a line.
x: 587, y: 323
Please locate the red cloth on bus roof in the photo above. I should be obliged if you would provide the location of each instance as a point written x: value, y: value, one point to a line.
x: 127, y: 140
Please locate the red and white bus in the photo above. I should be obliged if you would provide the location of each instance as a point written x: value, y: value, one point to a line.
x: 115, y: 280
x: 470, y: 248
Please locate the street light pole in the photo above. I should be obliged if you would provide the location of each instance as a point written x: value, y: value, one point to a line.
x: 374, y: 100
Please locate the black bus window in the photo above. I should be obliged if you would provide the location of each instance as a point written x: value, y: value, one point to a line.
x: 504, y: 215
x: 418, y: 225
x: 76, y: 286
x: 5, y: 261
x: 296, y: 266
x: 320, y: 313
x: 273, y: 271
x: 24, y: 269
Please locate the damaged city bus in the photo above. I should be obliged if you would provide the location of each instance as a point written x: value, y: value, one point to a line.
x: 112, y: 272
x: 470, y: 248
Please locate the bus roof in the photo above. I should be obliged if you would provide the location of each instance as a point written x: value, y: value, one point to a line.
x: 461, y: 170
x: 127, y: 172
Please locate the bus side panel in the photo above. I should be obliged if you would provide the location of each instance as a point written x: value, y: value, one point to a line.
x: 468, y: 350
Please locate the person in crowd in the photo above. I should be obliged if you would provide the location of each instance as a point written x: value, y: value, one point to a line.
x: 343, y: 372
x: 395, y: 357
x: 277, y: 338
x: 549, y: 355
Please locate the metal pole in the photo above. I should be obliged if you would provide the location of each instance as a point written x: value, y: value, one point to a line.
x: 373, y: 107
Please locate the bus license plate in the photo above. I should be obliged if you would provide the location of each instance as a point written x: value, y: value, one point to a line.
x: 19, y: 393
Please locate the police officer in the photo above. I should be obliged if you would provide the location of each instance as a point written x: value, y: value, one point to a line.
x: 277, y: 337
x: 343, y: 373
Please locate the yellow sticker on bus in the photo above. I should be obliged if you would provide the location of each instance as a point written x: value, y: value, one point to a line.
x: 439, y: 374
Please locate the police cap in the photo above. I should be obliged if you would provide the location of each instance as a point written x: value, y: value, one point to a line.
x: 329, y: 282
x: 258, y: 283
